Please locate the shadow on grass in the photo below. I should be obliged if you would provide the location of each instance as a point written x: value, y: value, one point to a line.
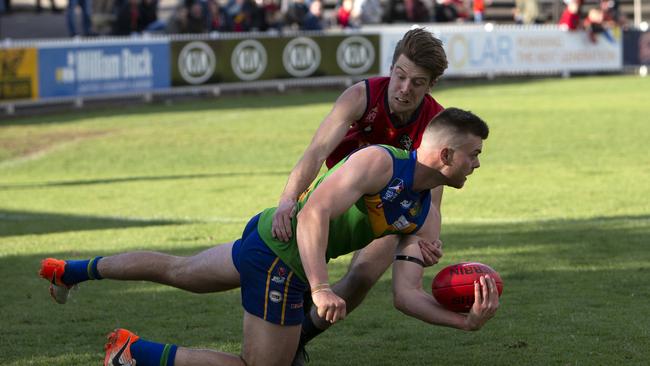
x: 566, y: 282
x: 88, y: 182
x: 13, y: 223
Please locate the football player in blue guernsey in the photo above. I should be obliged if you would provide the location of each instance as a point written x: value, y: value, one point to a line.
x: 376, y: 191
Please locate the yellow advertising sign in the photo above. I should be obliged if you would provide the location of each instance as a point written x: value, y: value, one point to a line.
x: 18, y: 73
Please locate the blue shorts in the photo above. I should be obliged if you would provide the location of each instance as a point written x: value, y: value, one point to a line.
x: 269, y: 288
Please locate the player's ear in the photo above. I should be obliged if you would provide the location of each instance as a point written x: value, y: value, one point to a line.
x: 447, y: 155
x: 432, y: 83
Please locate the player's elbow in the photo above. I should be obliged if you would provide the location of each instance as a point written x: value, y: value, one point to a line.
x: 401, y: 301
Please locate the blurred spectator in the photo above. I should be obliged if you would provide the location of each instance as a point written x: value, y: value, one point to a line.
x: 416, y: 11
x: 273, y: 15
x: 611, y: 13
x: 53, y: 7
x: 594, y: 25
x: 148, y: 20
x: 258, y: 16
x: 216, y: 18
x: 239, y: 15
x: 196, y: 17
x: 314, y: 18
x: 127, y: 21
x: 570, y: 18
x: 368, y: 11
x: 189, y: 17
x: 134, y: 17
x: 296, y: 13
x: 478, y: 8
x: 86, y: 8
x: 344, y: 14
x: 526, y: 11
x: 449, y: 11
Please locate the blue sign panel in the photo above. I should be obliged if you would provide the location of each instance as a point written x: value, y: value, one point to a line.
x: 96, y: 68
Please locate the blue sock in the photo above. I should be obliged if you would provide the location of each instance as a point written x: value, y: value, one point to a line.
x: 80, y: 271
x: 151, y: 353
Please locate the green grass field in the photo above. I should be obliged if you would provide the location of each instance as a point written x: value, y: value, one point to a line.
x: 559, y: 207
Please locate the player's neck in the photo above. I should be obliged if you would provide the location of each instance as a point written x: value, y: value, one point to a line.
x: 427, y: 175
x: 401, y: 119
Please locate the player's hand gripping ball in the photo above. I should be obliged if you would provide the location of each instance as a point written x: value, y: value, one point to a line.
x: 453, y: 286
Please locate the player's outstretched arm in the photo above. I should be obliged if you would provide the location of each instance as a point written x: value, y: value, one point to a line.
x: 432, y: 249
x: 410, y: 298
x: 348, y: 108
x: 366, y: 171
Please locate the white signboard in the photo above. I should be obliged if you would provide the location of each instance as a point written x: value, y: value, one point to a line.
x: 473, y: 50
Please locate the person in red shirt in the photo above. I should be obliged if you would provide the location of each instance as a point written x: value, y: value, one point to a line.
x: 570, y: 18
x: 344, y: 14
x: 385, y: 110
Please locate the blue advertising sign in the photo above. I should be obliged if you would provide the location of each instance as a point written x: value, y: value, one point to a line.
x: 103, y: 68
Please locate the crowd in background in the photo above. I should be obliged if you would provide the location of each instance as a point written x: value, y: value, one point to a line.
x: 200, y: 16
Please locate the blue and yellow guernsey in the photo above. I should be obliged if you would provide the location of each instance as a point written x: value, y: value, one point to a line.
x: 396, y: 209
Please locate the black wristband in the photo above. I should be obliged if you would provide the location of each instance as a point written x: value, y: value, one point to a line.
x: 401, y: 257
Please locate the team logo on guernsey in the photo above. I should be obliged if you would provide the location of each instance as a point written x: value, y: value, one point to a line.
x: 394, y: 189
x: 415, y: 210
x: 370, y: 118
x: 406, y: 204
x: 401, y: 223
x: 275, y: 296
x: 406, y: 142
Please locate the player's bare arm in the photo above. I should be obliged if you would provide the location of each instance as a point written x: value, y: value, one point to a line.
x: 411, y: 299
x: 432, y: 249
x: 348, y: 108
x: 365, y: 172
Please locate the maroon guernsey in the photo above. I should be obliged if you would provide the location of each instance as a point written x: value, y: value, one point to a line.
x: 376, y: 125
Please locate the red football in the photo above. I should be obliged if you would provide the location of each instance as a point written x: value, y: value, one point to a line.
x: 453, y: 286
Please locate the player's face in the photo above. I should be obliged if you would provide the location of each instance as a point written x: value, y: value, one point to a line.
x: 408, y: 85
x: 465, y: 160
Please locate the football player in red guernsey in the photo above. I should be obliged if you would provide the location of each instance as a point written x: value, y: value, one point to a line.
x: 391, y: 110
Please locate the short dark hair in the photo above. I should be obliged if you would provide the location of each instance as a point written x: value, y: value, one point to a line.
x: 461, y: 121
x: 425, y: 50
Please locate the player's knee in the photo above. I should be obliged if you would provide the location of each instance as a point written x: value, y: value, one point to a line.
x: 180, y: 274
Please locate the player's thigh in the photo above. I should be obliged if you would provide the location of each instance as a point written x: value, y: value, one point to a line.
x: 375, y: 258
x: 212, y: 270
x: 268, y: 344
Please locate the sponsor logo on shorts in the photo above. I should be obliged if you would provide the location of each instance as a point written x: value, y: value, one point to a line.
x: 406, y: 204
x: 275, y: 296
x: 281, y: 276
x: 296, y: 306
x: 401, y: 223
